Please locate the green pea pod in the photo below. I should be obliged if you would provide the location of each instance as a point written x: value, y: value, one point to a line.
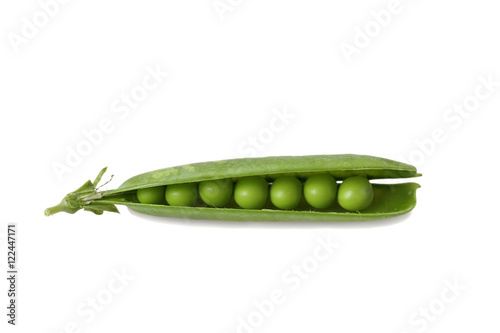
x: 388, y: 199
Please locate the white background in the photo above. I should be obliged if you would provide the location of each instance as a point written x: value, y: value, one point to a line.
x: 227, y: 79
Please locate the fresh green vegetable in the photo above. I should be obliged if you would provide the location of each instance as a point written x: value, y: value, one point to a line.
x: 151, y: 195
x: 285, y: 174
x: 182, y: 194
x: 216, y: 193
x: 320, y: 190
x: 355, y: 193
x: 286, y: 192
x: 251, y: 192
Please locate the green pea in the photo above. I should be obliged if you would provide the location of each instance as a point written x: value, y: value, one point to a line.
x: 151, y: 195
x: 182, y: 194
x: 251, y: 192
x: 355, y: 193
x: 216, y: 193
x: 389, y: 199
x: 320, y: 190
x: 286, y: 192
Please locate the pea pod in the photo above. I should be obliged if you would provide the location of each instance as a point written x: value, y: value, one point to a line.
x: 388, y: 199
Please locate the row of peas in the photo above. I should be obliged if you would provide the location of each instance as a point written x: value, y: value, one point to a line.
x: 320, y: 191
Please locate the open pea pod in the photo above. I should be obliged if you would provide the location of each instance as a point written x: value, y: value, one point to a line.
x: 388, y: 199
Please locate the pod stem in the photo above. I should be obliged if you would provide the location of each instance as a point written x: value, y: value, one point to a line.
x: 83, y: 198
x: 61, y: 207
